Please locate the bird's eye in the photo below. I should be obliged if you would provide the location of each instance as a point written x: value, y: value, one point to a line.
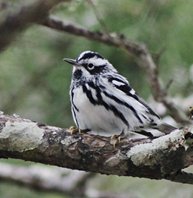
x: 90, y: 66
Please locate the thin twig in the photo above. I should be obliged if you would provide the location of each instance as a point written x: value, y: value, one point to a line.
x: 98, y: 16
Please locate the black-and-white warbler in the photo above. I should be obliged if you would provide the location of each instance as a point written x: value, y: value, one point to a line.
x: 102, y: 100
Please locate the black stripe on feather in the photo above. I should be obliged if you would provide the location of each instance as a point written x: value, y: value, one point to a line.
x: 127, y: 90
x: 124, y: 104
x: 101, y: 102
x: 89, y: 55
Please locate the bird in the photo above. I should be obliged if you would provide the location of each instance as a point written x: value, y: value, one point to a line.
x: 103, y: 101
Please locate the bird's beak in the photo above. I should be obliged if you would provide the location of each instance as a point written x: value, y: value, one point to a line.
x: 70, y: 61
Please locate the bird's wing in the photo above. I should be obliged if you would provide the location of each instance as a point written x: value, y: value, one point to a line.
x: 123, y: 85
x: 120, y: 83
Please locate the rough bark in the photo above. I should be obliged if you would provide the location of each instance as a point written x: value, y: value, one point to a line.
x: 161, y: 158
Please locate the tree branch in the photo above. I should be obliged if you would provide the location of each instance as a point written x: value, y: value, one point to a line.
x: 15, y: 21
x: 140, y: 52
x: 45, y: 178
x: 53, y: 179
x: 161, y: 158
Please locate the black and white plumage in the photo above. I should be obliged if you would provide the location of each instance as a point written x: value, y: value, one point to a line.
x: 102, y: 100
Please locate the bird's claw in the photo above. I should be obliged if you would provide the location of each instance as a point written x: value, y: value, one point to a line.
x: 115, y: 139
x: 73, y: 130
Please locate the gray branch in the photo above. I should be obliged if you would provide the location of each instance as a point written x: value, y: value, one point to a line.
x: 14, y: 20
x: 161, y: 158
x: 45, y: 178
x: 53, y: 179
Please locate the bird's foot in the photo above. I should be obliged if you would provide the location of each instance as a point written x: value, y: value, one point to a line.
x: 116, y: 139
x: 73, y: 130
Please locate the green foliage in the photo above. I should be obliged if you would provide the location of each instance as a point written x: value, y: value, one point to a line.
x: 34, y: 81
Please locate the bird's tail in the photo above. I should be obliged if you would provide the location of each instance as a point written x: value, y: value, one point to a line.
x: 154, y: 131
x: 165, y: 128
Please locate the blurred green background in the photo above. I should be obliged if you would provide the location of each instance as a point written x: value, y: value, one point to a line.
x: 34, y: 81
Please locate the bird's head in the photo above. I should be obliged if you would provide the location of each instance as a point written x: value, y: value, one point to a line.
x: 89, y: 64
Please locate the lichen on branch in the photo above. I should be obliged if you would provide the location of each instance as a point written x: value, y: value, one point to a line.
x: 161, y: 158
